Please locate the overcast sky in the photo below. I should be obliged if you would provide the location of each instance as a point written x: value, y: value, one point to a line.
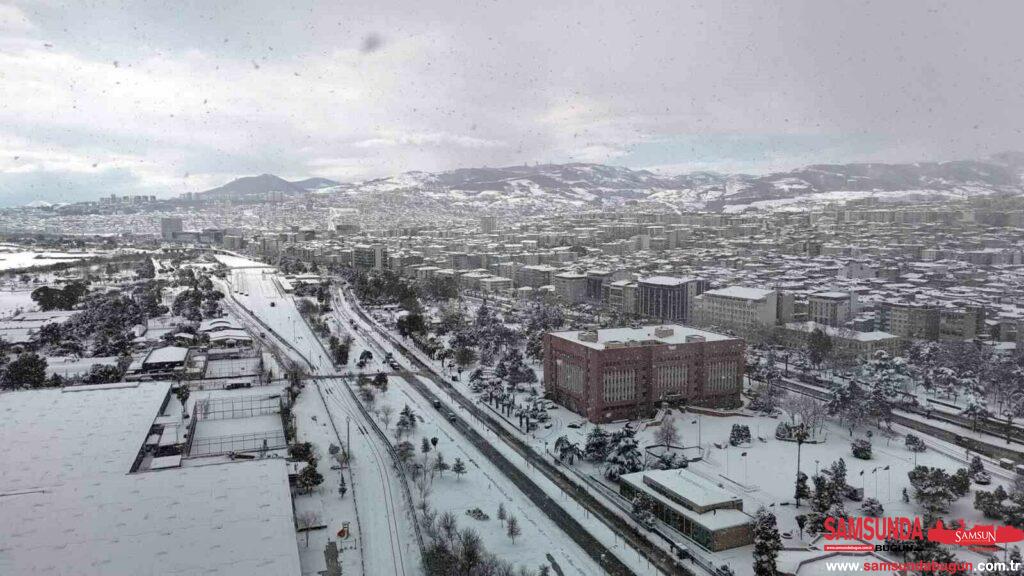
x: 164, y: 97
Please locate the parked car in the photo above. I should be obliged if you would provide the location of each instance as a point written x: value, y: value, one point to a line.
x: 437, y: 403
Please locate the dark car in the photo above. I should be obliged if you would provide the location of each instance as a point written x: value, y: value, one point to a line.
x: 437, y: 403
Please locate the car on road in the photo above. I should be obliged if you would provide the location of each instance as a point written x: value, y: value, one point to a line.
x: 573, y: 425
x: 451, y: 416
x: 437, y: 404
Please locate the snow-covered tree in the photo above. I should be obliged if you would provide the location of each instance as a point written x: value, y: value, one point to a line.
x: 739, y: 435
x: 915, y: 444
x: 597, y: 446
x: 975, y: 404
x: 643, y: 510
x: 767, y: 543
x: 872, y: 507
x: 624, y: 458
x: 933, y: 488
x: 861, y: 449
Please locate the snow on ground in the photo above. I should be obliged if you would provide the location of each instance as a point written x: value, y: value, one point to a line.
x: 596, y: 528
x: 14, y: 301
x: 483, y: 487
x: 15, y: 258
x: 381, y: 519
x: 238, y: 261
x: 765, y: 476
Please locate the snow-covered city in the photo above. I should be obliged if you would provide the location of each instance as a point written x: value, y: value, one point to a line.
x: 511, y: 288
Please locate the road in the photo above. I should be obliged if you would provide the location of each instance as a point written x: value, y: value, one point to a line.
x: 386, y: 521
x: 656, y: 556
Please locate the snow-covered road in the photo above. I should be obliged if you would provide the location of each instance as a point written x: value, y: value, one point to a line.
x: 385, y: 520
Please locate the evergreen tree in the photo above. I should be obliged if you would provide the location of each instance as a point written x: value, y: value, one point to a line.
x: 459, y: 468
x: 596, y: 449
x: 767, y: 543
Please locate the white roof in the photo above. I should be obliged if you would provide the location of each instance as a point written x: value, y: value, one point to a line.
x: 696, y: 489
x: 74, y: 434
x: 167, y: 354
x: 831, y: 295
x: 740, y: 292
x: 233, y: 518
x: 667, y: 280
x: 713, y: 520
x: 841, y: 333
x: 644, y: 333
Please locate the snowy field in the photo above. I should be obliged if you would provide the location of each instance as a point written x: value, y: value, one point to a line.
x: 15, y: 258
x: 13, y: 301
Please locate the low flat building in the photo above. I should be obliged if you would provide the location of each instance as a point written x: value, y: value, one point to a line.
x: 844, y: 340
x: 620, y: 373
x: 694, y: 506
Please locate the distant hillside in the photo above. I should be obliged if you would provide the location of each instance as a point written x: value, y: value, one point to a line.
x: 257, y: 188
x: 544, y: 187
x: 535, y: 189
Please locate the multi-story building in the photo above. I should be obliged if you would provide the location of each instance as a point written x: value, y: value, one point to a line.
x: 738, y: 307
x: 668, y: 298
x: 571, y: 287
x: 910, y: 320
x: 831, y: 308
x: 370, y: 256
x: 618, y: 373
x: 488, y: 224
x: 169, y: 227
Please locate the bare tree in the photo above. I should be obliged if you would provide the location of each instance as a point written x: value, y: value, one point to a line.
x: 512, y: 528
x: 306, y: 521
x: 385, y: 412
x: 668, y: 433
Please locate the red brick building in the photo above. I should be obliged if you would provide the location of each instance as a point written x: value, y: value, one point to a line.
x: 621, y: 373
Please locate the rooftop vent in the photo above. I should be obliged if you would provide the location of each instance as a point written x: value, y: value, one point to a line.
x: 588, y: 336
x: 694, y: 338
x: 663, y: 331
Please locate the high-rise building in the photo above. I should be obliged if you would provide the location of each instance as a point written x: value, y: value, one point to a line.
x: 370, y: 256
x: 668, y: 298
x: 488, y: 224
x: 169, y: 227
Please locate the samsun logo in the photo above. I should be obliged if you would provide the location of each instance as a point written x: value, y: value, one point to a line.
x: 979, y: 535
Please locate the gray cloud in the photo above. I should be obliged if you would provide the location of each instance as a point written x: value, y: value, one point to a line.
x: 361, y: 89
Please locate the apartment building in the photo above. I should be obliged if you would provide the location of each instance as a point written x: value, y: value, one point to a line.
x: 738, y: 307
x: 831, y: 308
x: 668, y: 298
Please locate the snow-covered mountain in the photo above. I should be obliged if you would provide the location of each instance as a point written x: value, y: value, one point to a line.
x: 565, y: 186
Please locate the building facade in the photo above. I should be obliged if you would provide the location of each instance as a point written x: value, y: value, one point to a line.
x: 370, y: 256
x: 622, y: 373
x: 668, y: 298
x: 737, y: 307
x: 831, y: 308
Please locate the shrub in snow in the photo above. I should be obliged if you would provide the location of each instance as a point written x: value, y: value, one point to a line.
x: 861, y: 449
x: 872, y: 507
x: 740, y: 434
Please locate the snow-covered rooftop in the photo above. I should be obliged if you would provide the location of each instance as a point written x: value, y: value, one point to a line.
x: 661, y: 333
x: 740, y: 292
x: 77, y: 434
x: 666, y: 280
x: 233, y: 518
x: 167, y: 354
